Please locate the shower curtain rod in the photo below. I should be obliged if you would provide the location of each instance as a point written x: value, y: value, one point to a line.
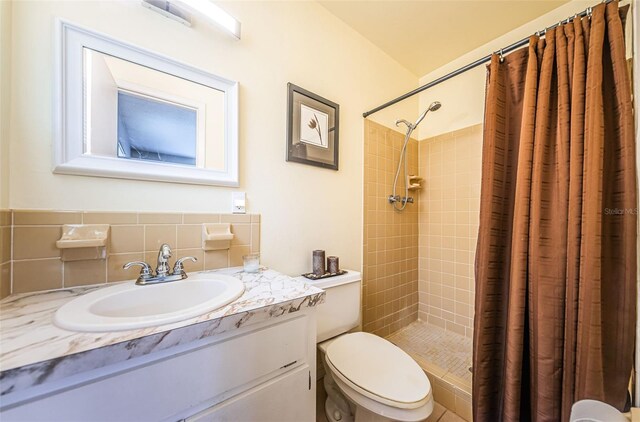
x: 502, y: 51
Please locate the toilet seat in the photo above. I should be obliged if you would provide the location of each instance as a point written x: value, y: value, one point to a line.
x: 379, y: 370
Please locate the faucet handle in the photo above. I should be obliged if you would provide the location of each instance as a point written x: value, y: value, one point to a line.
x: 178, y: 268
x: 145, y: 270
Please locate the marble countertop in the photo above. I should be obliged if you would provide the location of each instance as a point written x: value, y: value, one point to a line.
x: 33, y: 350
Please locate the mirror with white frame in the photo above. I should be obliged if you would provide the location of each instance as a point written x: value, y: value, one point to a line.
x: 126, y: 112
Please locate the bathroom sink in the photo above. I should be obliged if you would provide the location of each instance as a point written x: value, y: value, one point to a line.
x: 128, y: 306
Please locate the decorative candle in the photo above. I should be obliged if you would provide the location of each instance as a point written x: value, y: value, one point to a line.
x: 318, y: 262
x: 333, y: 264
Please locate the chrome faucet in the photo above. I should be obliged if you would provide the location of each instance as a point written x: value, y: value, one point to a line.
x: 163, y: 275
x: 162, y: 270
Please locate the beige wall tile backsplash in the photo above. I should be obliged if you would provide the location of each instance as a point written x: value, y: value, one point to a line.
x: 390, y: 270
x: 32, y: 242
x: 449, y: 209
x: 80, y: 273
x: 190, y: 235
x: 31, y: 261
x: 5, y: 253
x: 42, y: 218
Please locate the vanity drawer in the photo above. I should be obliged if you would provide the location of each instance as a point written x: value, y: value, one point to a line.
x: 187, y: 382
x: 267, y: 402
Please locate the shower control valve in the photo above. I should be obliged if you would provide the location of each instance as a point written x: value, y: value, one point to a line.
x: 402, y: 199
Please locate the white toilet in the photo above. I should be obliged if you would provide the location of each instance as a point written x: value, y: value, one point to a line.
x: 368, y: 378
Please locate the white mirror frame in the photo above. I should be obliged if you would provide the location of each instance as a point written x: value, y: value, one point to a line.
x: 68, y: 154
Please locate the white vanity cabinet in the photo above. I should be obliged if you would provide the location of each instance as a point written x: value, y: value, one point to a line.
x: 259, y: 372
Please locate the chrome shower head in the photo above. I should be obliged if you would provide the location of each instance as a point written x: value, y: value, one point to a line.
x: 435, y: 106
x: 432, y: 107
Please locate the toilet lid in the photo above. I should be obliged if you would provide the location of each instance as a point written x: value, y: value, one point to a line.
x: 379, y: 367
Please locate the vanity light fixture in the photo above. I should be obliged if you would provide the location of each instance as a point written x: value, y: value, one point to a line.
x: 168, y: 10
x: 175, y: 10
x: 214, y: 14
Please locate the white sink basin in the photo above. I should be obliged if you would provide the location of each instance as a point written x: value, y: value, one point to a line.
x: 127, y: 306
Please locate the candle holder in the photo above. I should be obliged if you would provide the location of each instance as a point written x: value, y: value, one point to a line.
x: 251, y: 263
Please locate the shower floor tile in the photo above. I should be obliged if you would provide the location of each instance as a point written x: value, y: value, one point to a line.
x: 443, y: 354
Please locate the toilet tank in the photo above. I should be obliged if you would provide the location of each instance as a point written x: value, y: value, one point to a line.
x: 340, y: 311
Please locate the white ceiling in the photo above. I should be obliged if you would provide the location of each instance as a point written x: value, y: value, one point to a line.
x: 424, y: 35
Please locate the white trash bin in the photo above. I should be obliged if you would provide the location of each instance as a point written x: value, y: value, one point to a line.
x: 595, y: 411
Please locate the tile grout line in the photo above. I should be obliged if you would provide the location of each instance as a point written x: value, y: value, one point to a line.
x: 11, y: 254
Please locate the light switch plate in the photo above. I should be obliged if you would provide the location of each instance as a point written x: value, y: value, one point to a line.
x: 238, y: 202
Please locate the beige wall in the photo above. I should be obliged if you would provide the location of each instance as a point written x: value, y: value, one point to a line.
x: 462, y: 97
x: 390, y: 270
x: 449, y: 214
x: 5, y: 99
x: 302, y: 207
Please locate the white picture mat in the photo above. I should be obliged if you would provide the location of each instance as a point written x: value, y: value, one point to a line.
x: 317, y: 136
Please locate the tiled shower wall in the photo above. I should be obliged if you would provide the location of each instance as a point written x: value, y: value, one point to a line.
x: 32, y: 262
x: 390, y: 270
x: 449, y: 213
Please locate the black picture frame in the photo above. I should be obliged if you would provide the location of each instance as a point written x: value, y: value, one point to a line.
x: 316, y: 141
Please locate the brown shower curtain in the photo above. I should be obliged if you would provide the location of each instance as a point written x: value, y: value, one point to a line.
x: 556, y: 257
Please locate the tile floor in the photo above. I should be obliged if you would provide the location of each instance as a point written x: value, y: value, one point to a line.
x: 445, y: 357
x: 442, y: 414
x: 445, y: 349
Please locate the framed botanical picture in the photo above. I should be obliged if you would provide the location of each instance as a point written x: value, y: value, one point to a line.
x: 312, y: 129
